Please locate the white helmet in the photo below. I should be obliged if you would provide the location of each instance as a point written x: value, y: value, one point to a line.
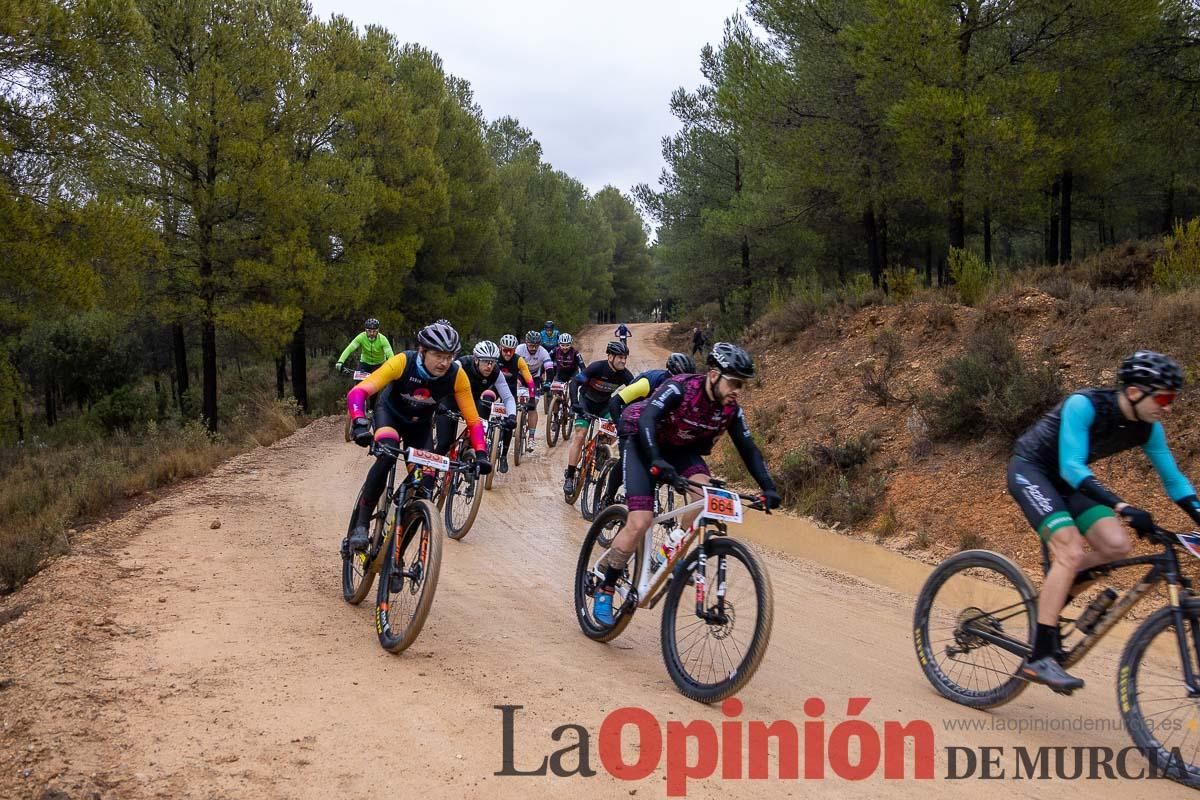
x: 564, y: 339
x: 486, y: 349
x: 508, y: 341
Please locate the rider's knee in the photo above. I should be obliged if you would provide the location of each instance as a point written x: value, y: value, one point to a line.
x: 1069, y: 552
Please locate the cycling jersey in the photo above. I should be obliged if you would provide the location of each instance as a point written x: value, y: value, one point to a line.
x: 513, y: 367
x: 600, y: 380
x: 623, y: 332
x: 550, y: 339
x: 412, y: 395
x: 480, y: 384
x: 639, y: 388
x: 538, y: 361
x: 567, y: 362
x: 374, y: 351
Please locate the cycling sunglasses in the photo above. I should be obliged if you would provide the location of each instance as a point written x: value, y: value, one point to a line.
x: 507, y: 351
x: 1161, y: 397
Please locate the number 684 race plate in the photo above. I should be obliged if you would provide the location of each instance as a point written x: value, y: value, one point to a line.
x: 722, y: 504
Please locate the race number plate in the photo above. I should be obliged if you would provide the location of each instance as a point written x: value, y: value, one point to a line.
x: 522, y: 393
x: 558, y: 386
x: 1191, y: 541
x: 498, y: 409
x: 359, y: 375
x: 722, y: 504
x: 427, y: 459
x: 608, y: 428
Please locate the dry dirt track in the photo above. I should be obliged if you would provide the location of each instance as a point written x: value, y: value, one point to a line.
x: 169, y: 659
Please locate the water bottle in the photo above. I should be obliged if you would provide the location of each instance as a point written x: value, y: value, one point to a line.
x: 1091, y: 615
x: 668, y: 547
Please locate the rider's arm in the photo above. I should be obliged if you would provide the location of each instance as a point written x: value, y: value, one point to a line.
x: 523, y: 368
x: 510, y: 405
x: 668, y: 397
x: 1177, y: 486
x: 626, y: 395
x: 355, y: 343
x: 739, y: 431
x: 466, y: 406
x: 1078, y: 414
x: 387, y: 348
x: 391, y: 370
x: 547, y: 362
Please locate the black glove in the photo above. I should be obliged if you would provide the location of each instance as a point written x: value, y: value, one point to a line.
x: 510, y: 422
x: 360, y: 432
x: 771, y: 498
x: 662, y: 469
x: 1138, y: 519
x: 481, y: 463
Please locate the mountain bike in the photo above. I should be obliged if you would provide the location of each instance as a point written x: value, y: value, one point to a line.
x: 520, y: 435
x: 404, y: 549
x: 359, y: 376
x: 459, y: 494
x: 599, y: 451
x: 493, y: 425
x: 712, y: 646
x: 559, y: 418
x: 975, y: 620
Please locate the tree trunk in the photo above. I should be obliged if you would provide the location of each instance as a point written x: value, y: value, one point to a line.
x: 19, y: 416
x: 280, y: 375
x: 747, y: 284
x: 300, y: 367
x: 181, y: 367
x: 928, y: 261
x: 872, y: 235
x: 1169, y: 211
x: 1052, y: 233
x: 208, y: 358
x: 987, y: 234
x: 956, y: 227
x: 51, y: 408
x: 1064, y: 248
x: 883, y: 241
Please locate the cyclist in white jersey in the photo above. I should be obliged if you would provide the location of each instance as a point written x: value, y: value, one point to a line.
x: 540, y: 366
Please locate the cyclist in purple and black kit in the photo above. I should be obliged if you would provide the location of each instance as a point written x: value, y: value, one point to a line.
x: 1064, y: 502
x: 672, y: 430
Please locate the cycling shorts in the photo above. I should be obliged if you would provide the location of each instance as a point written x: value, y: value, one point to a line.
x: 417, y: 434
x: 595, y: 409
x: 1049, y: 502
x: 639, y: 483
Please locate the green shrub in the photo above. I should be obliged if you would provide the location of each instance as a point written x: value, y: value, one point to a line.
x: 902, y: 283
x: 1179, y: 266
x: 972, y: 277
x: 125, y: 408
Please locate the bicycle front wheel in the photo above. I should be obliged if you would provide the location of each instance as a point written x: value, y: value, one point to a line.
x: 972, y: 628
x: 553, y: 421
x: 596, y: 503
x: 710, y: 658
x: 493, y: 455
x: 409, y: 576
x: 463, y: 497
x: 1158, y: 710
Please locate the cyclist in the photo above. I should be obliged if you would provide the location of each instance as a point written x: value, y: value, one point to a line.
x: 672, y: 430
x: 537, y: 358
x: 486, y: 385
x: 623, y: 333
x: 550, y: 335
x: 567, y: 364
x: 374, y: 348
x: 641, y: 387
x: 411, y: 384
x: 596, y: 384
x: 1049, y: 478
x: 512, y: 367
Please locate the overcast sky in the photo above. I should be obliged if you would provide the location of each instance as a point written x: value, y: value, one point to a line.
x: 591, y: 80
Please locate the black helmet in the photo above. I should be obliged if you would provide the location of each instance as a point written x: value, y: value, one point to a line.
x: 533, y: 337
x: 679, y: 364
x: 616, y: 349
x: 1150, y: 369
x: 549, y: 323
x: 439, y: 336
x: 372, y: 324
x: 731, y: 360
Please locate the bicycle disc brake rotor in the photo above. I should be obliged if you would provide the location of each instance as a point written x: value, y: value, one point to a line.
x: 722, y: 631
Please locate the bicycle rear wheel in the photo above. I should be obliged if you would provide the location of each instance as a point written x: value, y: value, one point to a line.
x: 1157, y: 708
x: 596, y: 503
x: 519, y: 437
x: 580, y: 478
x: 463, y: 497
x: 589, y: 575
x: 553, y: 421
x: 409, y: 576
x: 711, y: 659
x: 973, y: 626
x: 357, y: 575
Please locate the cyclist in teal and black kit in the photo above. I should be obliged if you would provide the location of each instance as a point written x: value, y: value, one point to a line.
x: 1049, y: 478
x: 373, y: 347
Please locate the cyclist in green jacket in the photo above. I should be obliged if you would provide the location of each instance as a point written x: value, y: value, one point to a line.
x: 373, y: 346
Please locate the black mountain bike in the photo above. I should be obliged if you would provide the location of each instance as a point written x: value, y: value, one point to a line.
x: 976, y: 617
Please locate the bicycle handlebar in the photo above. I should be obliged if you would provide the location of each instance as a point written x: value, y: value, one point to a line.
x: 755, y: 501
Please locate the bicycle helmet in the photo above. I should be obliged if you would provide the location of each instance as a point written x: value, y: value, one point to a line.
x: 439, y: 336
x: 564, y: 339
x: 371, y: 324
x: 680, y: 364
x: 486, y: 349
x: 616, y: 349
x: 508, y: 341
x: 731, y: 360
x: 1154, y: 370
x: 445, y: 322
x: 549, y: 323
x: 533, y: 337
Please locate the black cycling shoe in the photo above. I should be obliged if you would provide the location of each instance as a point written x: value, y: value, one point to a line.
x: 359, y: 538
x: 1049, y: 672
x: 502, y: 467
x: 569, y: 486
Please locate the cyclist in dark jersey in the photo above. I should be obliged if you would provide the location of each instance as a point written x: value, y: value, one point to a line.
x: 411, y: 385
x: 1049, y: 478
x: 480, y: 368
x: 596, y: 385
x: 514, y: 369
x: 567, y: 364
x: 672, y: 430
x: 641, y: 387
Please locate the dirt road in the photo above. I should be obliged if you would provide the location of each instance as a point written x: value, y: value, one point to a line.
x: 170, y: 658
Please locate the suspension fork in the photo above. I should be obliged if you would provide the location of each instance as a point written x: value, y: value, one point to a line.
x: 1181, y: 637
